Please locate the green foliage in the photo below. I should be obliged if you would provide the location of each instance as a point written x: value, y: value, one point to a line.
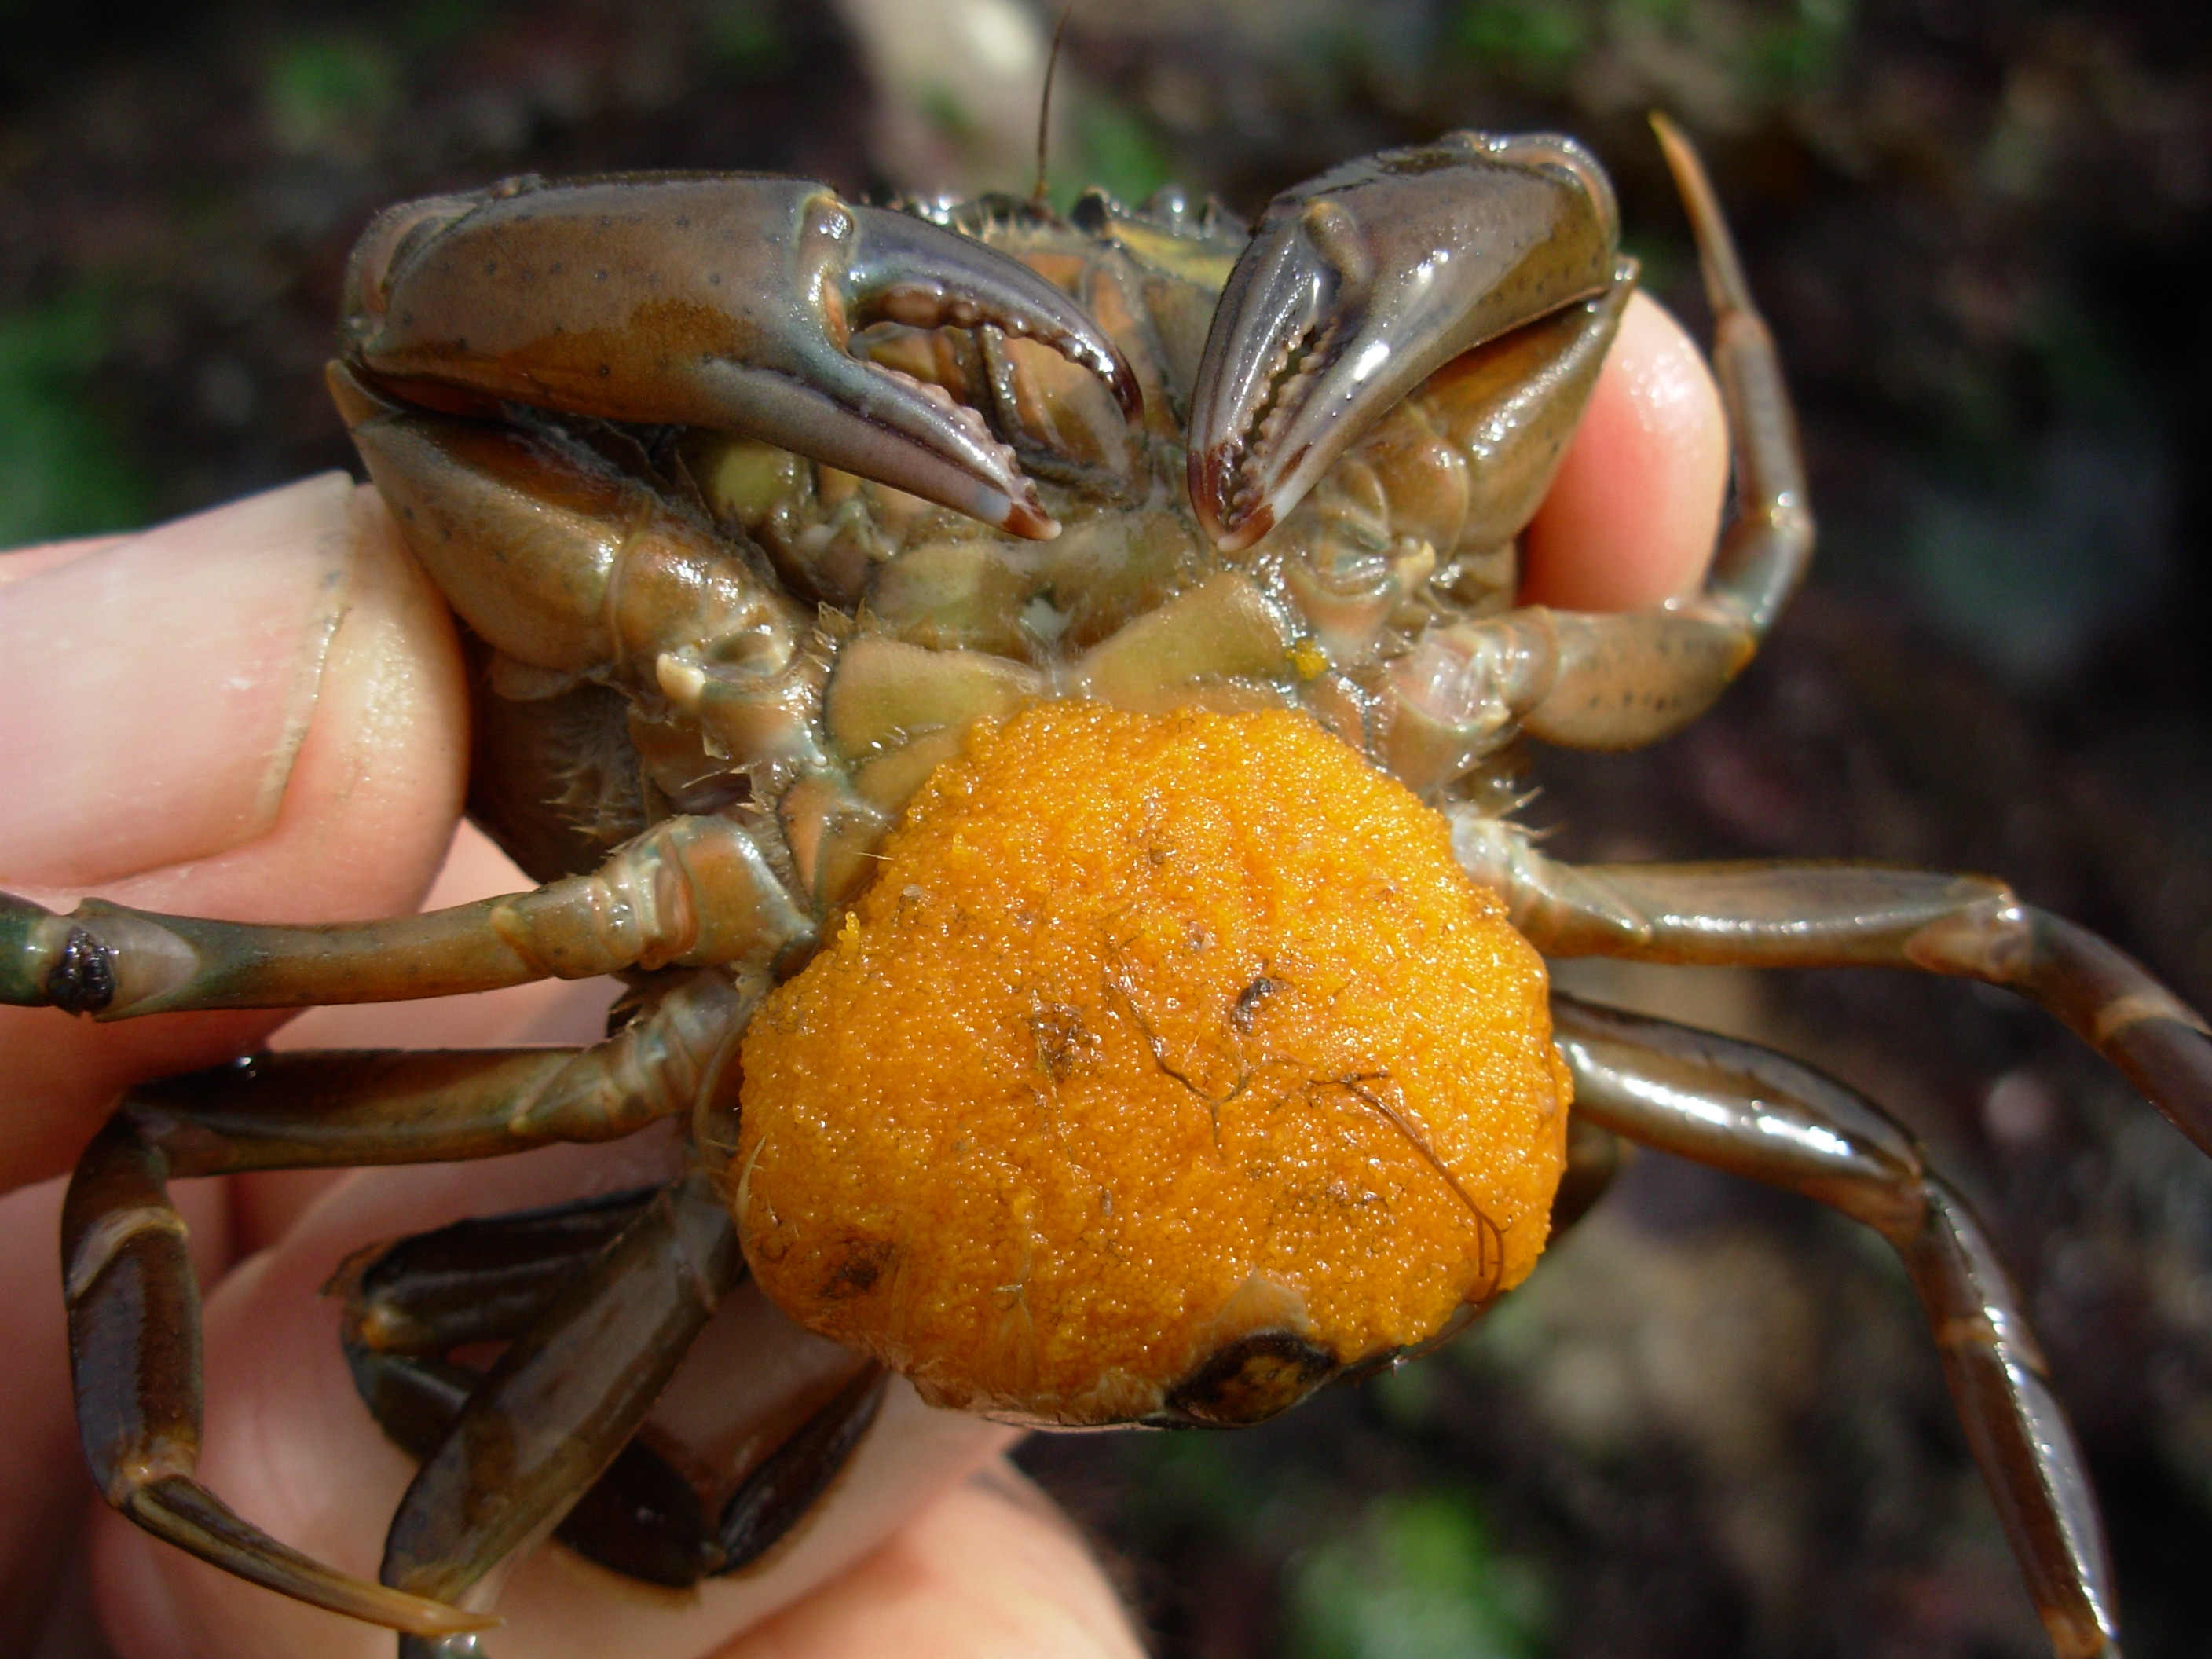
x: 1539, y: 39
x: 747, y: 39
x: 1746, y: 52
x: 1417, y: 1579
x: 431, y: 25
x: 320, y: 91
x: 62, y: 470
x: 1115, y: 150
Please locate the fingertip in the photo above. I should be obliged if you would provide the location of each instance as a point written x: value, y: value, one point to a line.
x: 992, y: 1570
x: 370, y: 782
x: 1634, y: 510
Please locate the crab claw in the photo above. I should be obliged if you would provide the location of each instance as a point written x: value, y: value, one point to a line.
x: 1360, y: 284
x: 721, y: 301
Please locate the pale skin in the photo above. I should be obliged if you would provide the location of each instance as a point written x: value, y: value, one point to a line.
x: 305, y: 763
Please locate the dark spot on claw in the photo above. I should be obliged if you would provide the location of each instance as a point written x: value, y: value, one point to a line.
x: 1250, y: 1380
x: 83, y: 980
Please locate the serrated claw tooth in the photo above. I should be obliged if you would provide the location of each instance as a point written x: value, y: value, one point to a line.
x: 1359, y: 284
x: 911, y: 271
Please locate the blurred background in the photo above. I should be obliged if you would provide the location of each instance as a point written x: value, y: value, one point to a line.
x: 1712, y: 1424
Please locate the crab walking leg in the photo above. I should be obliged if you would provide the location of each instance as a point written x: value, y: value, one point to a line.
x: 483, y: 1279
x: 1849, y: 915
x: 1757, y: 1113
x: 488, y: 1281
x: 565, y: 1397
x: 642, y: 1517
x: 1590, y: 680
x: 1595, y: 1157
x: 133, y: 1301
x: 692, y: 891
x: 1763, y: 555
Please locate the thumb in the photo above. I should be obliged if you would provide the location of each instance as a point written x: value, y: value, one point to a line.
x: 256, y: 713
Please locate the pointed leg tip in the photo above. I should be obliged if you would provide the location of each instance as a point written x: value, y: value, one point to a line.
x: 177, y: 1509
x: 1682, y: 157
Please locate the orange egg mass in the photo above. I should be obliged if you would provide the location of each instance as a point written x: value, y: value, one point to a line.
x: 1169, y: 1066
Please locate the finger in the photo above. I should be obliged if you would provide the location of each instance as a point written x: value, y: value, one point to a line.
x: 990, y: 1570
x: 256, y: 713
x: 288, y: 1444
x: 50, y: 1493
x: 1635, y: 509
x: 48, y: 1490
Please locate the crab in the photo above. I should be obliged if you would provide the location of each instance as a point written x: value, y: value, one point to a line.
x: 1029, y: 705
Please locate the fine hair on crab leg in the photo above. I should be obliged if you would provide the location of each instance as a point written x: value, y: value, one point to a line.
x: 410, y: 1303
x: 1758, y: 1113
x: 133, y: 1295
x: 691, y: 891
x: 1856, y: 916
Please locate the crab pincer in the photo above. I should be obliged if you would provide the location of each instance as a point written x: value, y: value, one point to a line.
x: 1361, y: 282
x: 726, y: 301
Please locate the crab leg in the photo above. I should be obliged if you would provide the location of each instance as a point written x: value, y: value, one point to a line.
x: 1312, y: 343
x: 1856, y: 916
x: 1759, y: 1115
x: 726, y: 302
x: 133, y: 1300
x: 1620, y: 681
x: 490, y: 1280
x: 1617, y: 682
x: 484, y: 1280
x: 692, y: 891
x: 566, y: 1396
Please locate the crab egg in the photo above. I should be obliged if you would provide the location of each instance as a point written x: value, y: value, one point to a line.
x: 1170, y: 1066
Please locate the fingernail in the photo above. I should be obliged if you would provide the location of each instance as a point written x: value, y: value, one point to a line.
x: 154, y: 692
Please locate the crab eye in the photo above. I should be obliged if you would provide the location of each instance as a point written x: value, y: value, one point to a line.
x: 391, y: 241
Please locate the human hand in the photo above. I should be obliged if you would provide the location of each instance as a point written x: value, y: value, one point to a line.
x: 259, y: 713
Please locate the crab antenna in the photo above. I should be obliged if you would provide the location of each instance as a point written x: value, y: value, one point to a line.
x: 1044, y: 104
